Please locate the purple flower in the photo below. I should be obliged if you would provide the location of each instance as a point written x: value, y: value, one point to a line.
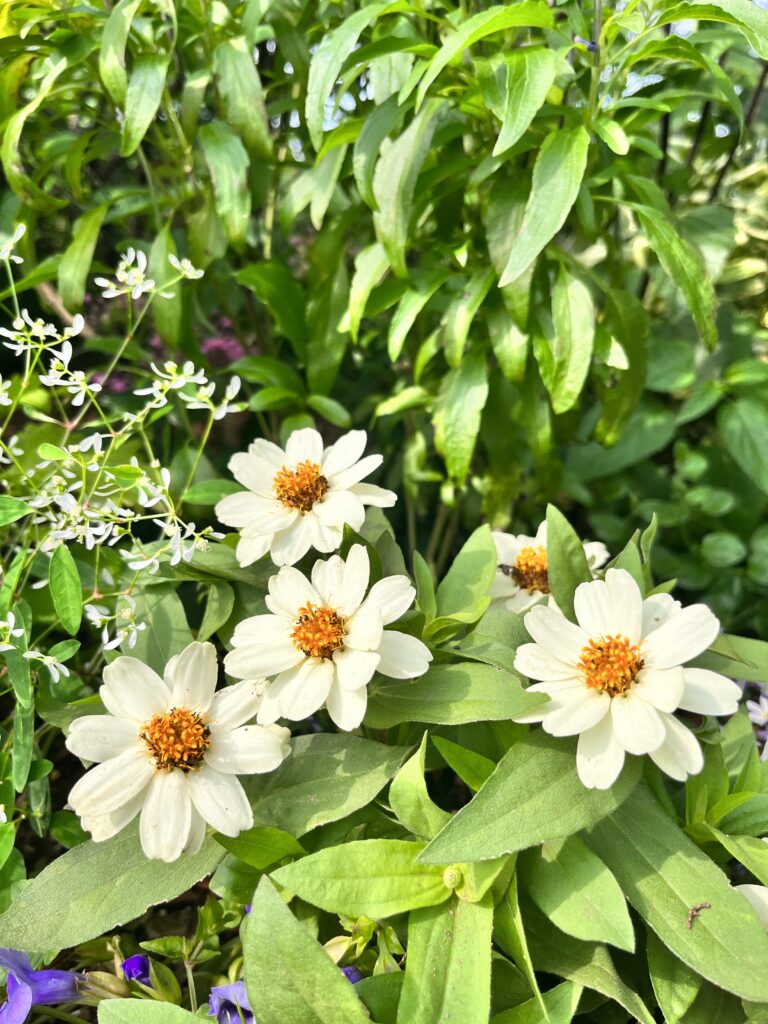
x: 223, y: 351
x: 229, y: 1004
x: 352, y: 974
x: 26, y: 986
x: 136, y: 968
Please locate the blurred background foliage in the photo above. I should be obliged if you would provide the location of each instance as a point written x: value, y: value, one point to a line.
x: 525, y: 246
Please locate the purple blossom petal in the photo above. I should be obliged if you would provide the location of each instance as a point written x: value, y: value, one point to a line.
x: 19, y: 1003
x: 136, y: 968
x: 229, y: 1004
x: 352, y: 974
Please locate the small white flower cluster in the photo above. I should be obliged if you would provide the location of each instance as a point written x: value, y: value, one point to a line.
x: 27, y: 335
x: 203, y: 399
x: 130, y: 277
x: 173, y: 377
x: 7, y: 245
x: 48, y: 661
x: 126, y: 629
x: 74, y: 382
x: 9, y: 631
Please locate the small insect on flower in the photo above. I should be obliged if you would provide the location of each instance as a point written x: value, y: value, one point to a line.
x: 616, y: 677
x: 522, y: 575
x: 170, y: 750
x: 326, y: 638
x: 302, y: 497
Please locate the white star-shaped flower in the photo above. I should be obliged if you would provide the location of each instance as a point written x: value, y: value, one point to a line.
x: 326, y: 638
x: 171, y: 749
x: 616, y: 678
x: 302, y: 497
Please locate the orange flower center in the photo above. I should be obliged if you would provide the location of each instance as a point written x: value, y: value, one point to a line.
x: 530, y: 569
x: 610, y: 664
x: 301, y: 486
x: 318, y: 631
x: 178, y: 739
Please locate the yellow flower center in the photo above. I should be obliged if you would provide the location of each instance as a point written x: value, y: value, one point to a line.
x: 610, y: 664
x: 178, y: 739
x: 301, y: 486
x: 318, y: 631
x: 530, y: 569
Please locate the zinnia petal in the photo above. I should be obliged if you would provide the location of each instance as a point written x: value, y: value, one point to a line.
x: 599, y: 755
x: 636, y: 725
x: 166, y: 816
x: 680, y: 754
x: 682, y: 637
x: 221, y: 800
x: 709, y: 693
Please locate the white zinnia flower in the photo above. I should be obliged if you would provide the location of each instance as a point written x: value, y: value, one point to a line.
x: 325, y: 639
x: 521, y: 575
x: 301, y: 497
x: 171, y: 749
x: 616, y: 678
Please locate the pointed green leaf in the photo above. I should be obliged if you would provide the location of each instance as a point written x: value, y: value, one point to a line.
x: 66, y: 589
x: 409, y: 799
x: 530, y: 75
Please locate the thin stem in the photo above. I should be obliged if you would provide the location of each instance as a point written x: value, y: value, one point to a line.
x: 52, y: 1011
x: 597, y: 65
x: 191, y: 984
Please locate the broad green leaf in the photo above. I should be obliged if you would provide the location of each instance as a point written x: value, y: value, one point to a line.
x: 460, y: 314
x: 409, y: 799
x: 330, y: 410
x: 468, y: 580
x: 218, y: 608
x: 289, y: 977
x: 457, y: 421
x: 166, y: 633
x: 577, y: 892
x: 564, y: 359
x: 97, y: 887
x: 394, y: 182
x: 145, y: 91
x: 557, y: 176
x: 112, y: 53
x: 381, y: 994
x: 567, y: 563
x: 613, y: 136
x: 327, y: 344
x: 166, y: 312
x: 561, y: 1004
x: 22, y: 748
x: 503, y: 219
x: 76, y: 261
x: 324, y: 178
x: 744, y: 429
x: 663, y: 875
x: 748, y: 17
x: 376, y: 127
x: 373, y: 877
x: 242, y: 97
x: 12, y: 509
x: 675, y: 985
x: 449, y: 695
x: 748, y: 850
x: 448, y: 970
x: 509, y: 343
x: 326, y: 777
x: 585, y: 963
x: 509, y: 935
x: 534, y: 795
x: 261, y: 847
x: 495, y: 19
x: 327, y: 62
x: 66, y: 589
x: 275, y: 286
x: 228, y: 165
x: 530, y: 75
x: 471, y: 767
x: 143, y: 1011
x: 370, y: 266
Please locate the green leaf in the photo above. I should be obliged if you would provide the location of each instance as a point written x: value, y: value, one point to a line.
x: 448, y: 970
x: 167, y: 632
x: 748, y: 850
x: 675, y: 985
x: 564, y: 363
x: 23, y: 743
x: 744, y: 429
x: 371, y: 264
x: 76, y: 261
x: 409, y: 799
x: 112, y: 52
x: 12, y: 509
x: 557, y: 176
x: 663, y: 874
x: 394, y: 181
x: 327, y: 344
x: 143, y: 1011
x: 561, y: 1004
x: 509, y: 934
x: 376, y: 127
x: 218, y: 608
x: 228, y: 165
x: 534, y: 795
x: 457, y: 422
x: 530, y: 74
x: 495, y: 19
x: 167, y: 313
x: 289, y: 978
x: 66, y: 589
x: 330, y: 410
x: 567, y: 563
x: 241, y: 94
x: 468, y: 581
x: 261, y: 847
x: 326, y: 777
x: 275, y: 286
x: 471, y: 767
x: 95, y: 888
x: 577, y: 892
x: 458, y: 318
x: 210, y: 492
x: 145, y: 91
x: 449, y: 695
x: 373, y: 877
x: 613, y: 136
x: 749, y: 18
